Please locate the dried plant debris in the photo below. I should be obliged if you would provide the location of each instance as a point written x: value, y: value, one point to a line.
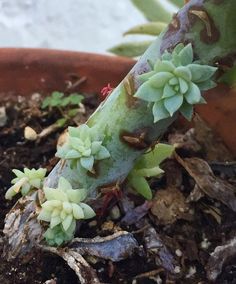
x: 211, y: 185
x: 134, y: 215
x: 170, y: 205
x: 156, y: 247
x: 22, y: 230
x: 86, y: 274
x: 212, y: 145
x: 219, y: 257
x: 116, y: 247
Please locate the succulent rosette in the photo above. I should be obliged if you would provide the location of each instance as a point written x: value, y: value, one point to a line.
x: 63, y: 206
x: 83, y: 147
x: 25, y: 181
x: 175, y: 83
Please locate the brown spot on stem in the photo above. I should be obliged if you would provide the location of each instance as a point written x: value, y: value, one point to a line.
x: 135, y: 140
x: 129, y: 87
x: 179, y: 26
x: 210, y: 33
x: 175, y: 22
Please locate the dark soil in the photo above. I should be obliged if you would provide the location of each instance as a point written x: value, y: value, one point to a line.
x: 188, y: 239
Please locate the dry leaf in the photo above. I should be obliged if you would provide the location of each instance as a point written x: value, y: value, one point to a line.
x: 219, y: 257
x: 211, y: 185
x: 169, y: 205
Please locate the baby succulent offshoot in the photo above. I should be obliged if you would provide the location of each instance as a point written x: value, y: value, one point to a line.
x: 148, y: 165
x: 25, y: 181
x: 83, y: 148
x: 63, y: 206
x: 175, y: 83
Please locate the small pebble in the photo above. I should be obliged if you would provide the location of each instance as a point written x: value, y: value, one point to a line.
x: 30, y: 134
x: 177, y: 269
x: 178, y: 252
x: 115, y: 213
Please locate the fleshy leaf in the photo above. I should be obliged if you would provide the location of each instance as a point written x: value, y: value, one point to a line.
x: 148, y: 93
x: 141, y: 186
x: 172, y: 104
x: 201, y: 73
x: 159, y: 111
x: 186, y: 110
x: 193, y: 94
x: 160, y: 79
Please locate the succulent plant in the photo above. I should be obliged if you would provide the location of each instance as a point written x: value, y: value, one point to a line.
x: 175, y: 83
x: 83, y: 147
x: 25, y: 181
x: 148, y: 165
x: 62, y: 208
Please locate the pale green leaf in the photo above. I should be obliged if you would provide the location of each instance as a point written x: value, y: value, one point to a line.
x: 159, y: 111
x: 173, y: 103
x: 187, y: 111
x: 148, y: 93
x: 130, y: 49
x: 88, y: 211
x: 141, y: 186
x: 87, y: 162
x: 160, y: 79
x: 64, y: 184
x: 153, y: 10
x: 201, y: 73
x: 193, y: 94
x: 78, y: 212
x: 183, y: 72
x: 152, y: 28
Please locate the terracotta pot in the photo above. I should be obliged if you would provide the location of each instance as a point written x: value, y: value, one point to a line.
x: 26, y: 71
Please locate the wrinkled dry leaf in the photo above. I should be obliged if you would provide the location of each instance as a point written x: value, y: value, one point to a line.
x: 134, y: 215
x: 211, y: 185
x: 219, y: 257
x: 211, y: 143
x: 169, y: 205
x: 22, y: 230
x: 83, y: 270
x: 186, y: 142
x: 155, y: 246
x: 116, y: 247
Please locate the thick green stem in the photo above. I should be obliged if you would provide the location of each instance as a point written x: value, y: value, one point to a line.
x: 126, y: 122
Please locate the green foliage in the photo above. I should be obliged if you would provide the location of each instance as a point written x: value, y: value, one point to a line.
x: 61, y: 209
x: 158, y: 16
x: 175, y: 83
x: 148, y: 166
x: 83, y: 147
x: 25, y: 181
x: 153, y: 10
x: 58, y: 99
x: 67, y: 106
x: 153, y: 28
x: 130, y: 49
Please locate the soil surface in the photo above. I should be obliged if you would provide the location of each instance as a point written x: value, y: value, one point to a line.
x: 177, y: 231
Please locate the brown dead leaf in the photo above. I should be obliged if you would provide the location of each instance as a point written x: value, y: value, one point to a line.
x: 155, y: 246
x: 213, y: 146
x: 170, y: 205
x: 86, y: 274
x: 219, y: 257
x: 186, y: 141
x: 211, y: 185
x: 134, y: 215
x: 116, y: 247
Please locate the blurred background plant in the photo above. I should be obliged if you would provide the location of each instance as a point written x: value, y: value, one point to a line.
x: 158, y: 15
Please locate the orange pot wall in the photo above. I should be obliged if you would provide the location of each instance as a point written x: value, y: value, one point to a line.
x: 25, y: 71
